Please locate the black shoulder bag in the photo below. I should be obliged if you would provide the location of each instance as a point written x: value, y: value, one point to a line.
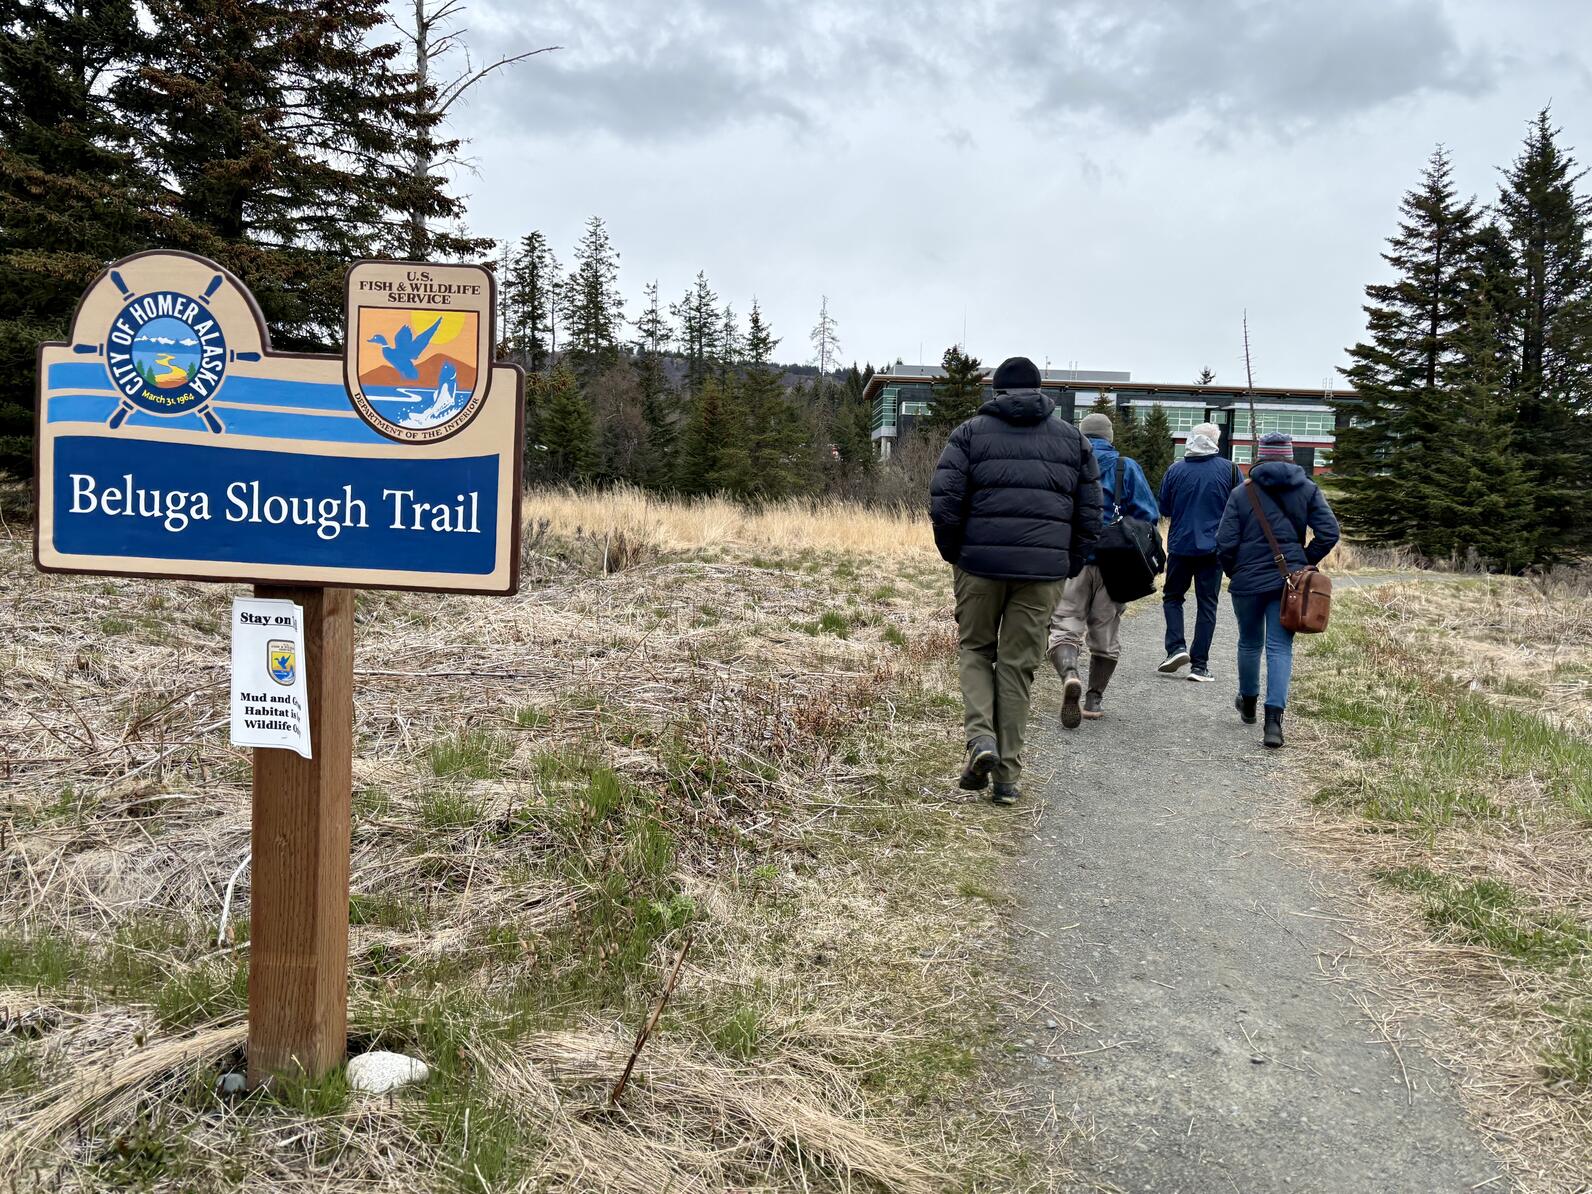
x: 1129, y: 552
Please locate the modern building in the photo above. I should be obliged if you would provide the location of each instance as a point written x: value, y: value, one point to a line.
x: 902, y: 393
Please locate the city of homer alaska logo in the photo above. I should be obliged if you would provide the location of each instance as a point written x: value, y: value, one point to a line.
x: 418, y: 353
x: 167, y: 354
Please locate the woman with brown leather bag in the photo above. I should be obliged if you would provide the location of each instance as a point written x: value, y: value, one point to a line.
x: 1267, y: 561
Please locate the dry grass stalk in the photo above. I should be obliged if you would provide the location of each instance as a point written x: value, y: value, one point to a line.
x: 108, y: 1081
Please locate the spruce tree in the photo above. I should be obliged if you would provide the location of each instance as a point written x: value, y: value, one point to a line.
x: 531, y: 289
x: 593, y: 308
x: 701, y: 327
x: 1155, y: 446
x: 730, y: 345
x: 852, y: 429
x: 957, y: 396
x: 701, y: 463
x: 279, y: 127
x: 1389, y: 461
x: 769, y: 439
x: 1206, y: 377
x: 567, y: 429
x: 1129, y: 434
x: 74, y: 190
x: 658, y: 405
x: 1481, y: 502
x: 1546, y: 222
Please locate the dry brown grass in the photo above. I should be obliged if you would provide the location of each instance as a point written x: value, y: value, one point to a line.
x: 745, y: 733
x: 692, y: 524
x: 1446, y: 723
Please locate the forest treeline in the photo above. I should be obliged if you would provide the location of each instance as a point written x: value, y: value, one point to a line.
x: 686, y: 396
x: 1471, y: 439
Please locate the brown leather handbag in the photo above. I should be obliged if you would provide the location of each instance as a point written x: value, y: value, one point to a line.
x: 1307, y: 593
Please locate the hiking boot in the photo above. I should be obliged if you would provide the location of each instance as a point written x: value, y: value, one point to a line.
x: 1201, y: 675
x: 1006, y: 794
x: 1246, y: 708
x: 1174, y: 662
x: 1273, y: 738
x: 1064, y: 657
x: 981, y: 760
x: 1099, y: 676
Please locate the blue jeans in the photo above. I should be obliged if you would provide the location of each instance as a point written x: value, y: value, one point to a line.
x: 1205, y: 573
x: 1260, y: 626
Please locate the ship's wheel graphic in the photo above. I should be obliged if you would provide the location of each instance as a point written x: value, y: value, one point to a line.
x: 166, y: 354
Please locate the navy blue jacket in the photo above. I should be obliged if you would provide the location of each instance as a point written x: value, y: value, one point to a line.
x: 1292, y: 502
x: 1194, y: 495
x: 1016, y: 494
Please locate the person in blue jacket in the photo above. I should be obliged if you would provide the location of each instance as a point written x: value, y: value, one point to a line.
x: 1293, y: 504
x: 1193, y: 495
x: 1085, y: 608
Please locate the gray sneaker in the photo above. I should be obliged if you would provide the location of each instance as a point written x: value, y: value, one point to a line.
x: 1201, y: 675
x: 1176, y: 661
x: 1006, y: 794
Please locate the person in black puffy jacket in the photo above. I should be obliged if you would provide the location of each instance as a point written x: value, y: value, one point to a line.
x: 1015, y: 503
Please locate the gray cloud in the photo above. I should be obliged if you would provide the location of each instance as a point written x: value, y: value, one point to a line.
x: 1235, y: 62
x: 650, y: 72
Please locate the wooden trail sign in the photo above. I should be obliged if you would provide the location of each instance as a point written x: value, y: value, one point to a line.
x: 173, y: 442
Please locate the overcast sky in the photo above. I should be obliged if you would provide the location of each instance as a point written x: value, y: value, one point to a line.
x: 1102, y: 182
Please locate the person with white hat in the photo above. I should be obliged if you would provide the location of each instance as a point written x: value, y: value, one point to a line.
x: 1193, y: 495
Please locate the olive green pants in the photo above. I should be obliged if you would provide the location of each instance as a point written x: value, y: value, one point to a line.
x: 1001, y: 626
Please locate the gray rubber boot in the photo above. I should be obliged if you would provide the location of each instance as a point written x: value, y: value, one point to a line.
x: 1099, y: 676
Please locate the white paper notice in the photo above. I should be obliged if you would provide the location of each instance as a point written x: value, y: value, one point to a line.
x: 270, y: 695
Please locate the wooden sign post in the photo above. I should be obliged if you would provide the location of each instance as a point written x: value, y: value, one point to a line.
x: 298, y: 931
x: 172, y: 442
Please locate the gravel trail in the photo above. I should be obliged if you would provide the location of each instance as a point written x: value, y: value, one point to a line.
x: 1206, y: 1031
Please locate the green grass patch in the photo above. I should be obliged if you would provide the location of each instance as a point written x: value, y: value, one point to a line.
x: 1489, y: 913
x: 1570, y: 1059
x: 829, y: 622
x: 388, y: 910
x: 895, y: 636
x: 530, y: 717
x: 448, y: 808
x: 1438, y: 749
x: 475, y: 753
x: 738, y: 1031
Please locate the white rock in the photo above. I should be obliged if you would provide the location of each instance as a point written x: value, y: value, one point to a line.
x: 230, y: 1084
x: 379, y: 1072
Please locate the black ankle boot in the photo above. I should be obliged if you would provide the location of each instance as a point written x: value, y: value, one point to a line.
x: 1246, y: 708
x: 1273, y: 736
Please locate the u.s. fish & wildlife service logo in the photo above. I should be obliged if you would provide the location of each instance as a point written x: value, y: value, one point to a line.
x: 418, y: 355
x: 281, y: 661
x: 167, y: 354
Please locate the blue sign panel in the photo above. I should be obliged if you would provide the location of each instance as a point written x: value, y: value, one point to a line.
x: 173, y: 442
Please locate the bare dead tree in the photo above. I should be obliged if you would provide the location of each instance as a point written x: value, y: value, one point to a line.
x: 434, y: 36
x: 1249, y: 393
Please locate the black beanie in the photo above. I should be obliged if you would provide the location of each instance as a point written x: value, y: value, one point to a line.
x: 1016, y: 373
